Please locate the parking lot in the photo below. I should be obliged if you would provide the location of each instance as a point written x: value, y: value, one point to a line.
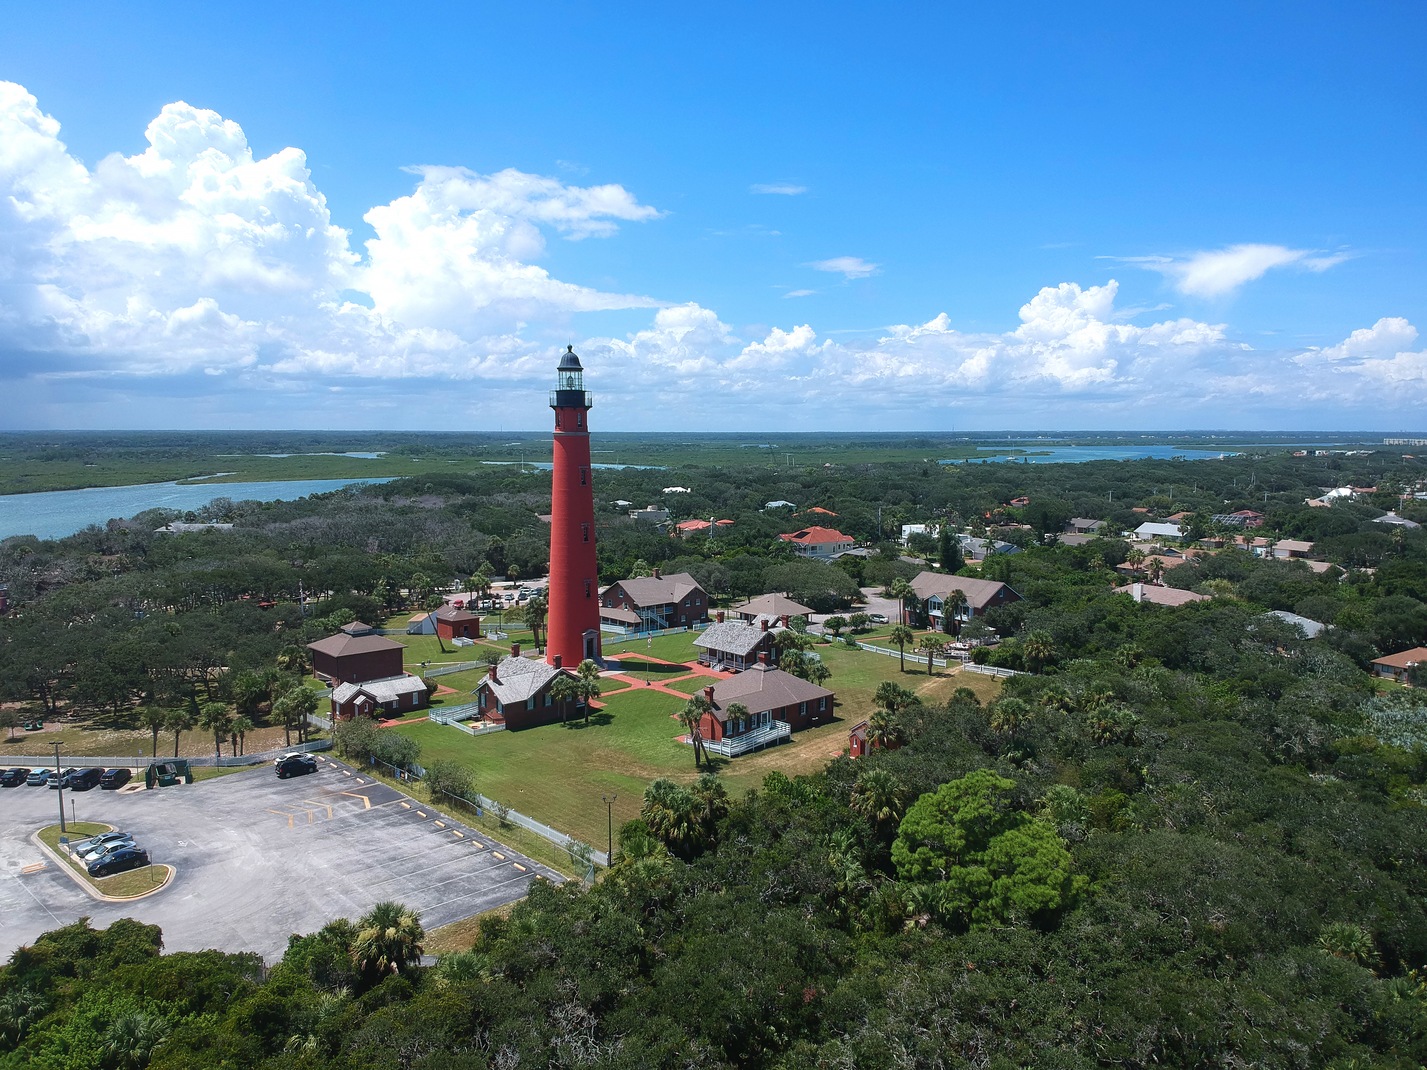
x: 258, y: 859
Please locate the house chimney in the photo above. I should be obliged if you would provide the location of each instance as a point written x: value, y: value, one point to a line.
x: 657, y: 574
x: 763, y: 657
x: 491, y: 673
x: 719, y: 616
x: 515, y: 650
x: 708, y: 695
x: 559, y: 660
x: 763, y: 623
x: 784, y: 620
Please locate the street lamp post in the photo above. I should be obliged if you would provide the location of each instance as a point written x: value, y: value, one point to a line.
x: 608, y: 801
x: 60, y: 782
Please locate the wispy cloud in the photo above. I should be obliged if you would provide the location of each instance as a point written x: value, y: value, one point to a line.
x: 782, y: 189
x: 800, y: 293
x: 1217, y: 272
x: 849, y: 267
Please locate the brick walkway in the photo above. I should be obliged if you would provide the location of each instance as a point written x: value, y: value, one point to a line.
x: 694, y: 670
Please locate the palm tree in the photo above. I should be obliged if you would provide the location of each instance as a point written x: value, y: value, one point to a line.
x: 240, y: 728
x: 388, y: 941
x: 215, y: 717
x: 901, y: 590
x: 579, y: 687
x: 878, y: 796
x: 885, y: 731
x: 893, y: 697
x: 736, y: 711
x: 932, y: 645
x: 130, y: 1040
x: 712, y: 798
x: 294, y: 706
x: 952, y: 606
x: 177, y: 721
x: 534, y: 615
x: 902, y: 637
x: 1038, y: 648
x: 673, y: 814
x: 691, y: 716
x: 1135, y: 558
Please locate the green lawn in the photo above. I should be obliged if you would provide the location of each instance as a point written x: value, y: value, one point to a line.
x: 558, y: 773
x: 676, y: 647
x: 691, y: 686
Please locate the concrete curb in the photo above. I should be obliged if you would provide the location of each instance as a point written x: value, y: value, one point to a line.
x: 170, y: 872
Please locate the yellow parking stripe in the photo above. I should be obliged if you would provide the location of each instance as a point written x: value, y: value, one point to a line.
x: 366, y: 803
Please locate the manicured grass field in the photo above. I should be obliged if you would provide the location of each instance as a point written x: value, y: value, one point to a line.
x: 691, y: 686
x: 558, y: 773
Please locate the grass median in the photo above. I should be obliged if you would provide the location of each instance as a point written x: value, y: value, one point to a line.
x: 127, y: 885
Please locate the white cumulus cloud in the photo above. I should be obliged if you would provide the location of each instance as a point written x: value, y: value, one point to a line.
x: 849, y: 267
x: 1216, y: 272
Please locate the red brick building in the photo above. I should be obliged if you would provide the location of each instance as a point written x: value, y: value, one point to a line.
x: 356, y: 654
x: 653, y: 603
x: 778, y: 704
x: 453, y: 623
x: 516, y: 691
x: 378, y: 698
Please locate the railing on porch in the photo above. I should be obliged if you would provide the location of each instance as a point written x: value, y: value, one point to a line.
x: 755, y: 739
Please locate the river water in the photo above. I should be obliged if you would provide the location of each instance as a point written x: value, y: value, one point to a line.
x: 57, y: 513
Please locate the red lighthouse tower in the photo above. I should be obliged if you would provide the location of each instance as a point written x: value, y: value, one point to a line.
x: 573, y: 627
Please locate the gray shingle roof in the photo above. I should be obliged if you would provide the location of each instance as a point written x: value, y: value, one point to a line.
x: 733, y: 637
x: 387, y: 690
x: 518, y: 679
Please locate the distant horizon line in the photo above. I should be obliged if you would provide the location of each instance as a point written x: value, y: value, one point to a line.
x: 997, y: 432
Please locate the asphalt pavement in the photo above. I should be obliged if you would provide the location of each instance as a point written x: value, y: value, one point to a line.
x: 259, y: 859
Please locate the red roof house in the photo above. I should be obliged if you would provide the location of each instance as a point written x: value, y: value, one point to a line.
x: 818, y: 542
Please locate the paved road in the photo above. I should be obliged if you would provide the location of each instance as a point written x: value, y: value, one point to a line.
x: 259, y: 858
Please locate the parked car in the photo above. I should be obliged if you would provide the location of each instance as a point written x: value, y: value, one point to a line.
x: 877, y: 618
x: 62, y: 781
x: 84, y: 846
x: 83, y: 779
x: 296, y: 765
x: 38, y: 778
x: 120, y: 860
x: 115, y: 778
x: 290, y: 754
x: 94, y: 854
x: 12, y: 778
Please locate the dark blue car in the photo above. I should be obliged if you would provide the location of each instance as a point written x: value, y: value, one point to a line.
x: 118, y: 861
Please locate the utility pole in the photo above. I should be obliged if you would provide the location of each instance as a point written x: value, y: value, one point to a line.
x: 60, y: 782
x: 608, y: 801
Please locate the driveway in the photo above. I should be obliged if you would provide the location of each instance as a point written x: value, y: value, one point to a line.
x: 260, y: 858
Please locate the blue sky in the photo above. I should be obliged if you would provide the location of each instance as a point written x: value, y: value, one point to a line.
x: 814, y: 217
